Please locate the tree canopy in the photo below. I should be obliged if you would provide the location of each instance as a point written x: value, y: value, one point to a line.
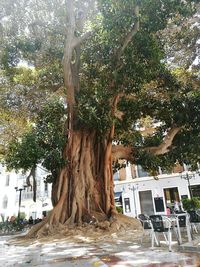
x: 126, y: 92
x: 42, y: 143
x: 34, y: 33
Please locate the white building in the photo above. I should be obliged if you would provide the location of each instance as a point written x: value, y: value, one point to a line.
x: 152, y: 196
x: 8, y: 182
x: 11, y: 185
x: 134, y: 189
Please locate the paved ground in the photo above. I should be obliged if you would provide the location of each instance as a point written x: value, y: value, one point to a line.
x: 120, y: 253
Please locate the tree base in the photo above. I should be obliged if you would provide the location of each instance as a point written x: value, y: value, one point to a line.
x: 89, y: 229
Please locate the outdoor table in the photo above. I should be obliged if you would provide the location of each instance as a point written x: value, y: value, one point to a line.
x: 175, y: 223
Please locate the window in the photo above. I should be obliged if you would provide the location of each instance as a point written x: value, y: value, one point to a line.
x: 118, y: 199
x: 195, y: 190
x: 141, y: 172
x: 7, y: 180
x: 5, y: 202
x: 116, y: 176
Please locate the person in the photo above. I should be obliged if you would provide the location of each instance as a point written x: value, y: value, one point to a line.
x: 37, y: 220
x: 176, y: 206
x: 21, y: 221
x: 181, y: 207
x: 12, y: 219
x: 168, y: 210
x: 30, y: 220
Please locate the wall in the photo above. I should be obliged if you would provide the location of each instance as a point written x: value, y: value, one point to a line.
x: 127, y: 188
x: 28, y: 206
x: 9, y: 191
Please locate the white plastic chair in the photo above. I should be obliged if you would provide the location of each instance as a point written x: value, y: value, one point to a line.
x: 147, y: 226
x: 163, y: 227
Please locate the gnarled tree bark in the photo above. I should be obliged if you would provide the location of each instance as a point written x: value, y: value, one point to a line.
x: 87, y: 189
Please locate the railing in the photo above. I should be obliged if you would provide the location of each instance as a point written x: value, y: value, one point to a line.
x: 29, y: 195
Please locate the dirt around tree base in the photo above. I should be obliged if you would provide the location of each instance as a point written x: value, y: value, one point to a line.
x: 87, y: 232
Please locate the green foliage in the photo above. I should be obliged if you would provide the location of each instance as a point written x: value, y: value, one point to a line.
x: 2, y: 218
x: 11, y: 227
x: 119, y: 210
x: 43, y: 143
x: 92, y: 111
x: 151, y: 163
x: 24, y: 152
x: 141, y: 74
x: 191, y: 204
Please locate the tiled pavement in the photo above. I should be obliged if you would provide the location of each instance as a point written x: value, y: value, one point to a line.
x: 115, y: 253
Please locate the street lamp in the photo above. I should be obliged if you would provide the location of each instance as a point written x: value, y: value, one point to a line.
x: 20, y: 198
x: 43, y: 198
x: 188, y: 176
x: 134, y: 188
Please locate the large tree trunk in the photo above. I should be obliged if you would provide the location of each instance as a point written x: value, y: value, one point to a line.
x: 86, y: 183
x: 83, y: 191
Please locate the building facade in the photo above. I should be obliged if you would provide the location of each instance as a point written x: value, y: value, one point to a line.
x: 135, y: 191
x: 149, y: 195
x: 13, y: 188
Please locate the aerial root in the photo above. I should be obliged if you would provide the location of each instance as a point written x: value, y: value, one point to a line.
x: 34, y: 230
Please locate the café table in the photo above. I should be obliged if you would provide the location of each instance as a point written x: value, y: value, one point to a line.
x: 175, y: 221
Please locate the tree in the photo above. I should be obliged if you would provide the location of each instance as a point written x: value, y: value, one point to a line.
x: 114, y: 77
x: 182, y: 42
x: 41, y: 143
x: 20, y: 102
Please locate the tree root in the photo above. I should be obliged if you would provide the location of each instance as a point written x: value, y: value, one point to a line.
x: 35, y: 229
x: 99, y: 223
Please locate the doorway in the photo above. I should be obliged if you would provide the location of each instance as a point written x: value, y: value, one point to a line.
x: 146, y: 202
x: 171, y: 197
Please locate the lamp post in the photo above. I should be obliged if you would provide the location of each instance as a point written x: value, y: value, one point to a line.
x: 134, y: 188
x: 42, y: 199
x: 188, y: 176
x: 20, y: 198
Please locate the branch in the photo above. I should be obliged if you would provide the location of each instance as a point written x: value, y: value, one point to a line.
x: 68, y: 50
x: 114, y: 103
x: 2, y: 150
x: 55, y: 87
x: 126, y: 152
x: 81, y: 39
x: 163, y: 148
x: 72, y: 43
x: 34, y: 185
x: 129, y: 36
x: 83, y: 12
x: 117, y: 113
x: 122, y: 152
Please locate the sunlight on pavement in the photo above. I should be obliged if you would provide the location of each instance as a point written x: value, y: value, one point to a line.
x: 102, y: 254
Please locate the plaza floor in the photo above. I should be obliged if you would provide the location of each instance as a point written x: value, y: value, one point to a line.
x: 123, y: 252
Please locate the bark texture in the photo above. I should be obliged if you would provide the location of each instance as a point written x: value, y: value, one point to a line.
x: 83, y: 191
